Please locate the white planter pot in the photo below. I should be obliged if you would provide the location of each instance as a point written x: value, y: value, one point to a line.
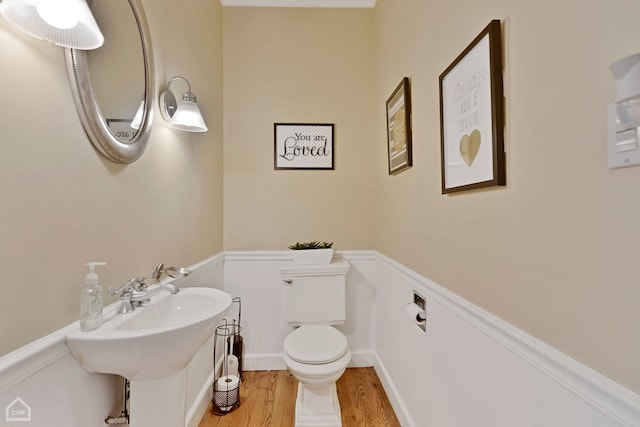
x: 312, y: 256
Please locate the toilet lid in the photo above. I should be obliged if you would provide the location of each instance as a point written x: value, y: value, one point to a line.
x: 315, y: 344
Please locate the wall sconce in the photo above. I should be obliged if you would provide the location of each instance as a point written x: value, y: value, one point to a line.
x: 624, y: 114
x: 184, y: 115
x: 67, y: 23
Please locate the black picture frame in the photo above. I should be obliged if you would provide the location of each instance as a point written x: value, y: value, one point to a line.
x: 303, y: 146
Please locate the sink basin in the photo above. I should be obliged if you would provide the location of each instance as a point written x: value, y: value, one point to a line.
x: 156, y: 340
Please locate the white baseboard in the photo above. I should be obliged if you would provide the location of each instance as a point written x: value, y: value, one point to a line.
x: 390, y: 389
x: 275, y: 361
x: 362, y: 359
x: 263, y: 362
x: 200, y: 405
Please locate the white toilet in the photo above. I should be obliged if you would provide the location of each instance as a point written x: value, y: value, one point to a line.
x: 316, y: 353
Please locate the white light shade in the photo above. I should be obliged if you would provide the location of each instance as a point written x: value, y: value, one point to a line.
x: 187, y: 117
x: 67, y: 23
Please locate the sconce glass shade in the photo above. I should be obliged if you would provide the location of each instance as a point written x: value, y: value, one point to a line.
x: 184, y: 115
x: 187, y: 117
x: 66, y: 23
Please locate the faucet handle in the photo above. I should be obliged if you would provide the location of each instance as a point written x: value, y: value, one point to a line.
x: 158, y: 272
x: 141, y: 283
x: 129, y: 284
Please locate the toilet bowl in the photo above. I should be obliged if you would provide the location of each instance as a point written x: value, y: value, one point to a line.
x: 316, y: 353
x: 317, y: 356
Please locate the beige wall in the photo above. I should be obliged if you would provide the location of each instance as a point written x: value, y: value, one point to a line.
x: 556, y: 251
x: 63, y: 204
x: 300, y: 66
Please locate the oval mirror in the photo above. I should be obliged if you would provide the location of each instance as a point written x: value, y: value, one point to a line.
x: 113, y: 85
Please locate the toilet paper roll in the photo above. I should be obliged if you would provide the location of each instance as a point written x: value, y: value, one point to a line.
x: 227, y: 392
x: 227, y: 382
x: 417, y: 314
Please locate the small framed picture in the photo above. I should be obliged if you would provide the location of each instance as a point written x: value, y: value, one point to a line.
x: 472, y: 115
x: 399, y: 128
x: 303, y: 146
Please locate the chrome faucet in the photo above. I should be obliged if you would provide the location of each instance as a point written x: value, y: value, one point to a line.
x: 135, y: 293
x: 155, y: 278
x: 143, y: 296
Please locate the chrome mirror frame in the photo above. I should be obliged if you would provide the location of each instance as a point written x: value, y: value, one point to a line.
x: 87, y: 106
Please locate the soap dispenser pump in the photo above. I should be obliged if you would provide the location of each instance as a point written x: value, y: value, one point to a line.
x: 91, y: 300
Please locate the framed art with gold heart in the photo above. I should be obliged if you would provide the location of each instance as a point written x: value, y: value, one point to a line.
x: 472, y: 115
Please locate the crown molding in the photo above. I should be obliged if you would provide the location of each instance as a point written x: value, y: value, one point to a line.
x: 301, y: 3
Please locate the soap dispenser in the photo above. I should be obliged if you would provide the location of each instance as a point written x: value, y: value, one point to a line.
x: 91, y: 300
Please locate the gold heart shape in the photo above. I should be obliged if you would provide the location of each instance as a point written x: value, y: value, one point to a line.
x: 469, y: 146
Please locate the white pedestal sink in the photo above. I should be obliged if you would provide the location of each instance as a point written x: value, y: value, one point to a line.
x: 152, y: 347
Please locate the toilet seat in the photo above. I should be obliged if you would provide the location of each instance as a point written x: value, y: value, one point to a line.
x: 322, y: 374
x: 315, y: 344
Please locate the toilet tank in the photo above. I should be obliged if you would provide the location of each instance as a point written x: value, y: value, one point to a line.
x: 315, y: 294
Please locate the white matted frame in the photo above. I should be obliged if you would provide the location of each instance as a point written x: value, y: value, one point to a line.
x: 472, y: 115
x: 303, y: 146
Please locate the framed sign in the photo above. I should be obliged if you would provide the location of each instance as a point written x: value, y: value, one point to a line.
x: 472, y: 115
x: 399, y: 128
x: 303, y: 146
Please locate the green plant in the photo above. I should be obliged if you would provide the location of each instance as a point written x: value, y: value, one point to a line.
x: 311, y: 245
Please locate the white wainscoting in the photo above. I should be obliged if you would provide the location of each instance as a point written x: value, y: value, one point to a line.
x: 59, y: 392
x: 255, y: 278
x: 54, y: 386
x: 472, y: 369
x: 468, y: 369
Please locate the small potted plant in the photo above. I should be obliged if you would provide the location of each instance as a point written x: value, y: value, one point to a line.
x: 313, y: 252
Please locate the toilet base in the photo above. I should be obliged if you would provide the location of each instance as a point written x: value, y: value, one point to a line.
x: 317, y: 406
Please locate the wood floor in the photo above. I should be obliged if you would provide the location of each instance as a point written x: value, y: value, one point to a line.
x: 267, y: 398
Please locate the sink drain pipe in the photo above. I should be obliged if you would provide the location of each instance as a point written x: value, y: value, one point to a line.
x: 123, y: 418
